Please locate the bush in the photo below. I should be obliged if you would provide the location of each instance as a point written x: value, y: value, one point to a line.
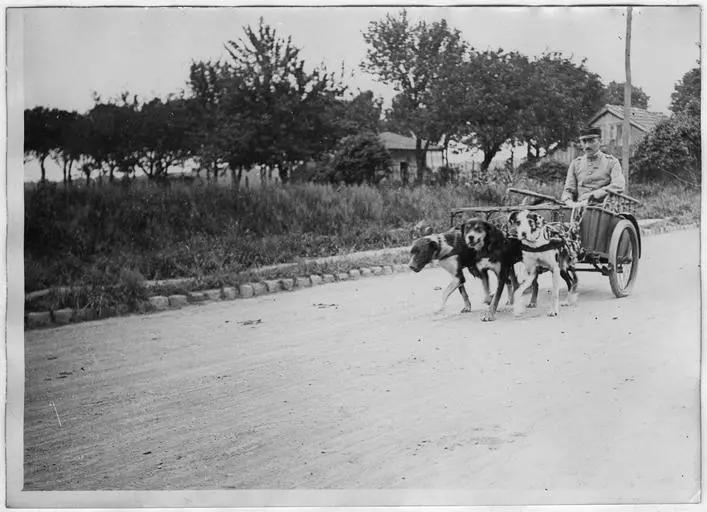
x: 543, y: 170
x: 361, y: 159
x: 671, y: 152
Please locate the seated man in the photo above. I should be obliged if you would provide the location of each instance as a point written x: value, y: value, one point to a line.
x: 591, y: 175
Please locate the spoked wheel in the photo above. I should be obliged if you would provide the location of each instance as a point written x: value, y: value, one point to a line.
x: 623, y: 258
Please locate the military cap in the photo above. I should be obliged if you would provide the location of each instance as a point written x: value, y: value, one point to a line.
x: 590, y: 132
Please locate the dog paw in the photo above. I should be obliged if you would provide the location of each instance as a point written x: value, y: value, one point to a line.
x: 532, y: 305
x: 467, y: 309
x: 565, y: 303
x: 488, y: 299
x: 488, y: 317
x: 552, y: 313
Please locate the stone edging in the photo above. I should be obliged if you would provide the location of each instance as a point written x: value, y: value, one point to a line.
x: 254, y: 289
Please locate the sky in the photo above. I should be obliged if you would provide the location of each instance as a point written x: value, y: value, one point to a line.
x: 70, y: 53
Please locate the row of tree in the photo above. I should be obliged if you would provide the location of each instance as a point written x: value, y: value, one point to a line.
x: 263, y: 106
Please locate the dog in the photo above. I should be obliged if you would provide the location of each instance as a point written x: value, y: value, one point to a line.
x: 453, y: 255
x: 494, y: 251
x: 542, y: 249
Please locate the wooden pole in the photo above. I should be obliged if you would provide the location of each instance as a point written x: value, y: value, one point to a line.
x: 627, y: 100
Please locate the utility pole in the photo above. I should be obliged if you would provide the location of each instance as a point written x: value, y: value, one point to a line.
x: 626, y: 130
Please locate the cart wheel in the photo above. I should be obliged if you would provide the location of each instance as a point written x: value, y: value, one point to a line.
x: 623, y: 258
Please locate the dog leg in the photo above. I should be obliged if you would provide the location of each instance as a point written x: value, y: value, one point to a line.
x: 490, y: 315
x: 512, y: 285
x: 572, y: 282
x: 534, y: 296
x: 453, y: 285
x: 465, y: 296
x: 555, y: 300
x: 485, y: 284
x: 518, y: 307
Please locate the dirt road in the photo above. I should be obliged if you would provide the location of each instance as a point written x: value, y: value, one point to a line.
x: 359, y: 385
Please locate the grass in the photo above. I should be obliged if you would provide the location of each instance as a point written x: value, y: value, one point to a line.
x: 108, y: 240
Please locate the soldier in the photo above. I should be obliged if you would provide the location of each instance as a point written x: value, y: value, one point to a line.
x: 590, y: 175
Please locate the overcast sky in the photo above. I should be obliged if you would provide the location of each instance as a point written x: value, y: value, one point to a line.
x: 71, y: 52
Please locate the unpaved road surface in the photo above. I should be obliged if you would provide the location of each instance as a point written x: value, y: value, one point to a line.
x: 360, y: 385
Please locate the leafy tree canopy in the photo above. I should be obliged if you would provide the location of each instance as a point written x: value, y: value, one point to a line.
x: 422, y: 61
x: 614, y: 95
x: 686, y: 96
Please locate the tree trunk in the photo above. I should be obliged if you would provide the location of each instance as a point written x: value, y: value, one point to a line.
x: 489, y: 153
x: 420, y: 159
x: 41, y: 166
x: 284, y: 172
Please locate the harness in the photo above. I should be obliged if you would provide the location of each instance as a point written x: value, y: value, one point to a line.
x: 554, y: 243
x: 437, y: 254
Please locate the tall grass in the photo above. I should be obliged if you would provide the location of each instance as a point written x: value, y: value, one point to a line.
x: 89, y: 235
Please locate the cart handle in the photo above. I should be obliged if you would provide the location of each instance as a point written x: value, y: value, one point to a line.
x: 535, y: 194
x: 624, y: 196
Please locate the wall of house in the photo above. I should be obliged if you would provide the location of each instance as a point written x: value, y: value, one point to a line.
x: 407, y: 156
x: 612, y: 129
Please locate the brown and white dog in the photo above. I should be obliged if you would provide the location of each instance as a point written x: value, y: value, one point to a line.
x: 494, y: 251
x: 543, y: 250
x: 453, y: 255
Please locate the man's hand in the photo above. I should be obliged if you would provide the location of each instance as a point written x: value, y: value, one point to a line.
x: 597, y: 194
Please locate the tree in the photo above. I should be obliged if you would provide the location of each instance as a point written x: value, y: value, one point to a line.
x: 423, y: 63
x: 41, y: 134
x: 160, y: 137
x: 111, y: 139
x: 614, y: 95
x: 496, y: 99
x: 685, y: 99
x: 280, y: 107
x: 70, y: 142
x: 673, y: 150
x: 361, y: 158
x: 562, y: 96
x: 360, y: 114
x: 208, y: 130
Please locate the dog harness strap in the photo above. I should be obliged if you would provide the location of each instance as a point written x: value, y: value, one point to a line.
x: 554, y: 243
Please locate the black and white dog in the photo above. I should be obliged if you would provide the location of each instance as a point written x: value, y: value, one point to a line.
x: 494, y: 251
x: 453, y: 255
x: 543, y: 249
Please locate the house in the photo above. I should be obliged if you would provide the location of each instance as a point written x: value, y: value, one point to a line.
x: 402, y: 151
x: 610, y: 120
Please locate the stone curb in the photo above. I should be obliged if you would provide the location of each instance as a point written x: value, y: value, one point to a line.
x: 248, y: 290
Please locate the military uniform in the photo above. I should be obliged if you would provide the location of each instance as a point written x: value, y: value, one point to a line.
x: 586, y: 175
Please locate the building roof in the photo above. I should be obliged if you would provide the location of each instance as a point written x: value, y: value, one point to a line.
x: 640, y: 118
x: 396, y: 141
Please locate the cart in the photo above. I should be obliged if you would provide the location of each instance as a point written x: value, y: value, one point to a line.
x: 606, y: 234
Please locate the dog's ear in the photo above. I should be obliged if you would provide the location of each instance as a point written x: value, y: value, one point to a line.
x: 513, y: 218
x: 427, y: 231
x: 535, y: 221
